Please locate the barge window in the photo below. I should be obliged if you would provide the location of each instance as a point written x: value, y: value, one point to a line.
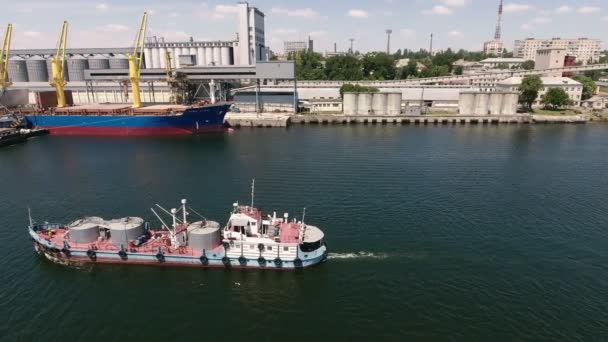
x: 285, y: 249
x: 269, y: 248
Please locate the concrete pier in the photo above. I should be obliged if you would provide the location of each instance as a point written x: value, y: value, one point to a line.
x: 417, y: 119
x: 257, y: 120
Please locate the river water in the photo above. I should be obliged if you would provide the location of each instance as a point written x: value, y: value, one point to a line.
x: 436, y: 233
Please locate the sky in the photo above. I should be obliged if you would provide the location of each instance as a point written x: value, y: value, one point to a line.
x: 455, y: 23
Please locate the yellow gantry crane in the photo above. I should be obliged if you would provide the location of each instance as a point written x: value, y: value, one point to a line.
x: 4, y: 52
x: 57, y: 66
x: 135, y: 61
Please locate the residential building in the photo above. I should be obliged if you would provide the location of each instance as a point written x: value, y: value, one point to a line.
x: 573, y: 88
x: 584, y: 49
x: 296, y: 46
x: 552, y: 58
x: 598, y: 102
x: 251, y: 46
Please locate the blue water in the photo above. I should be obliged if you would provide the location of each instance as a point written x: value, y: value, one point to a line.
x: 437, y: 233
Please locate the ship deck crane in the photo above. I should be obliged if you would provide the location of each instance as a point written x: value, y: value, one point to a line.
x: 135, y: 61
x: 4, y: 52
x: 57, y: 66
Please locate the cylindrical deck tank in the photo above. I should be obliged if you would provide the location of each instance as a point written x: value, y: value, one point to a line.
x: 466, y: 104
x: 495, y: 105
x: 155, y: 58
x: 379, y: 103
x: 86, y: 230
x: 394, y: 104
x: 99, y: 62
x: 125, y: 229
x: 349, y: 103
x: 76, y: 67
x: 204, y: 235
x: 509, y: 104
x: 364, y: 103
x: 209, y: 55
x: 217, y: 56
x: 17, y: 69
x: 119, y: 62
x: 36, y: 69
x: 481, y: 103
x: 225, y: 55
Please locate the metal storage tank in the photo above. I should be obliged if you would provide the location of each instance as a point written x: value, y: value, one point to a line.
x: 349, y: 103
x: 76, y: 67
x: 466, y: 104
x: 155, y: 58
x: 364, y: 103
x: 99, y: 62
x: 86, y: 230
x: 481, y: 103
x: 147, y: 57
x: 119, y: 62
x: 394, y: 104
x: 209, y: 55
x: 225, y: 55
x: 495, y: 104
x: 204, y: 235
x: 36, y: 69
x: 17, y: 69
x: 379, y: 103
x: 125, y: 229
x: 200, y: 56
x: 193, y: 51
x: 509, y: 103
x: 162, y: 53
x: 175, y: 60
x: 217, y: 58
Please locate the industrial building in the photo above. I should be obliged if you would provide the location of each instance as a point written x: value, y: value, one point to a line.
x: 297, y: 46
x: 508, y: 63
x: 483, y: 103
x: 584, y: 49
x: 573, y: 88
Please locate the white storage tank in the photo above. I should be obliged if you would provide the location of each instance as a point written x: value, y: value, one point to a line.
x: 147, y: 58
x: 119, y: 61
x: 99, y: 62
x: 200, y: 56
x: 204, y: 235
x: 155, y: 58
x: 86, y: 230
x: 481, y: 103
x: 125, y: 229
x: 193, y: 52
x: 36, y: 69
x: 76, y: 67
x: 162, y: 52
x: 364, y: 103
x: 17, y: 69
x: 225, y: 55
x: 394, y: 104
x: 209, y: 55
x: 380, y: 103
x: 495, y: 104
x: 349, y: 103
x: 509, y: 103
x: 217, y: 58
x: 466, y: 103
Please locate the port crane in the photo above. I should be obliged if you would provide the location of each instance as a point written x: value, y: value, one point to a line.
x: 4, y: 52
x: 57, y: 66
x: 135, y: 61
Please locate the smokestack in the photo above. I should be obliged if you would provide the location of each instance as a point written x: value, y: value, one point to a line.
x: 431, y: 47
x: 388, y: 41
x: 335, y: 47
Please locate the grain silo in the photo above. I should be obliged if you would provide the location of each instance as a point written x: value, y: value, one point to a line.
x: 349, y: 103
x: 36, y: 69
x: 225, y: 55
x: 200, y: 56
x: 119, y: 61
x: 76, y: 66
x: 393, y: 107
x: 495, y: 103
x: 209, y: 55
x: 364, y: 103
x: 481, y: 103
x: 17, y: 70
x: 204, y: 235
x: 125, y: 229
x: 466, y: 104
x: 217, y: 56
x: 379, y: 103
x: 86, y: 230
x: 99, y: 62
x: 509, y: 103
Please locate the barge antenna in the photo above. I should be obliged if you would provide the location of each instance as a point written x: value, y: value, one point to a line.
x: 252, y: 191
x: 184, y: 211
x: 160, y: 219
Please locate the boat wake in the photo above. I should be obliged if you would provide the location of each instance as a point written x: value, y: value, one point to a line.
x: 358, y: 255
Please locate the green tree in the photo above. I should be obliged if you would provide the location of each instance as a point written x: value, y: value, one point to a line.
x: 459, y: 70
x: 589, y: 86
x: 379, y: 66
x: 556, y: 98
x: 502, y: 66
x: 528, y: 90
x: 343, y: 68
x: 309, y: 65
x: 528, y: 65
x: 409, y: 71
x: 355, y: 88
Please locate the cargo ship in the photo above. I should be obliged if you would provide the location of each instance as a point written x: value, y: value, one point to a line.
x: 249, y: 240
x: 121, y: 119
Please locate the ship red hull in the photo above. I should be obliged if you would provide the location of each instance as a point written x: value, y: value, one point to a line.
x: 134, y: 131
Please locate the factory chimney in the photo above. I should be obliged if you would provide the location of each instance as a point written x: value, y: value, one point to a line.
x: 388, y: 41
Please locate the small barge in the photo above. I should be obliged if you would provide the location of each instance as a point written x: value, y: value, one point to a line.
x: 249, y: 240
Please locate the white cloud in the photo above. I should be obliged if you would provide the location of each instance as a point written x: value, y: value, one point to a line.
x: 564, y: 9
x: 588, y: 9
x: 407, y: 32
x: 454, y: 3
x: 605, y: 18
x: 103, y: 7
x: 456, y: 34
x: 526, y: 27
x: 226, y: 9
x: 542, y: 20
x: 32, y: 34
x: 173, y: 14
x: 439, y: 10
x: 116, y: 28
x: 357, y: 13
x: 301, y: 12
x: 512, y: 7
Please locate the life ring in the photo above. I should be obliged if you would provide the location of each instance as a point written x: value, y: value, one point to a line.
x: 243, y: 261
x: 66, y: 252
x: 278, y: 262
x: 91, y: 254
x: 160, y: 257
x: 261, y: 247
x: 226, y: 261
x: 262, y: 261
x: 204, y: 260
x: 297, y: 263
x: 123, y: 255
